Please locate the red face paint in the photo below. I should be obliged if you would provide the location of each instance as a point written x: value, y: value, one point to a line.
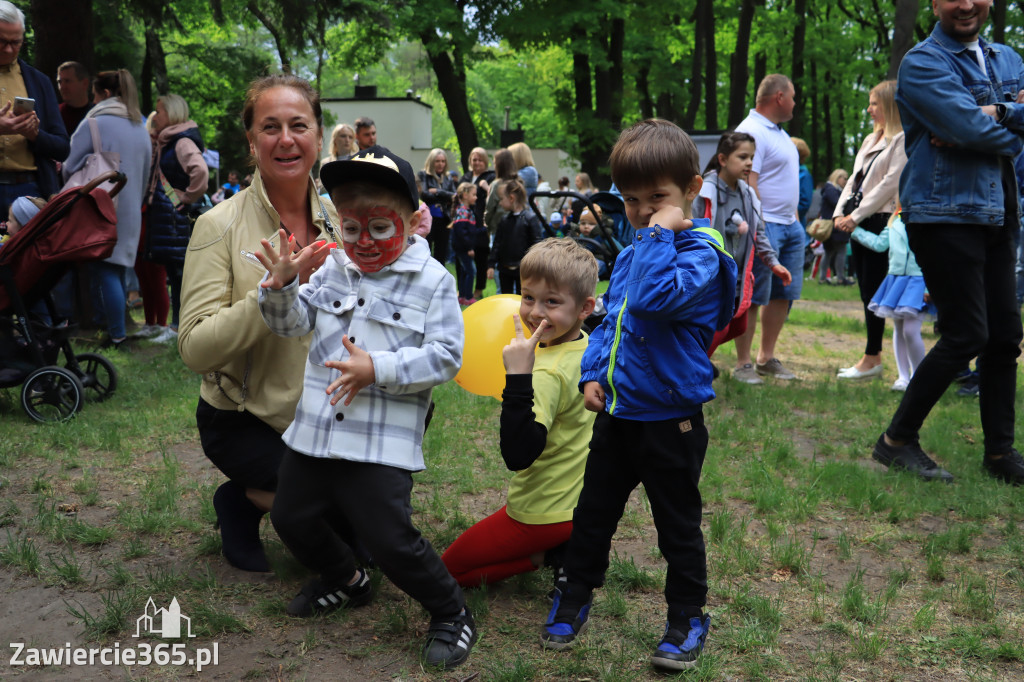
x: 373, y: 238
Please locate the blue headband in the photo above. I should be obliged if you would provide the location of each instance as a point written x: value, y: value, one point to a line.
x: 24, y: 210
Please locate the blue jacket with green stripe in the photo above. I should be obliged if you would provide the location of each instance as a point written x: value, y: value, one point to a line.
x: 669, y: 293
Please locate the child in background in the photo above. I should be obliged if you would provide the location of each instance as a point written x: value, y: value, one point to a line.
x: 594, y: 242
x: 386, y: 330
x: 544, y: 425
x: 901, y: 296
x: 517, y: 232
x: 734, y: 210
x: 23, y: 209
x: 464, y: 236
x: 647, y: 374
x: 556, y: 223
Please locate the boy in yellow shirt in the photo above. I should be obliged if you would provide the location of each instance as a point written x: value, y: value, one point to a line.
x: 545, y: 427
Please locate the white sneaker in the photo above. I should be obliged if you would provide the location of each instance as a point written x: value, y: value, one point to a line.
x: 149, y: 330
x: 168, y: 335
x: 900, y: 384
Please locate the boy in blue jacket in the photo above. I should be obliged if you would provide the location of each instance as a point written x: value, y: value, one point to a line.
x: 647, y: 374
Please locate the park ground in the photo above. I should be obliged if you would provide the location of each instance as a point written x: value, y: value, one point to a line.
x: 823, y: 565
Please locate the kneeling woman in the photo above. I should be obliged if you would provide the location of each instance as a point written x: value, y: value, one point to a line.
x: 251, y: 377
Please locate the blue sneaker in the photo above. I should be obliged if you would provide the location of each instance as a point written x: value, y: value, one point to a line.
x: 567, y: 619
x: 679, y: 650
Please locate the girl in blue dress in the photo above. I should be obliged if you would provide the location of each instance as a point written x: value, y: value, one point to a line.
x: 901, y: 297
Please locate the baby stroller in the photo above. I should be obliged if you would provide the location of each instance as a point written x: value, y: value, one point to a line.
x: 605, y: 250
x: 77, y: 225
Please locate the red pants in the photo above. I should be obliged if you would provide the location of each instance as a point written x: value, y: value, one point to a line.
x: 499, y: 547
x: 153, y: 288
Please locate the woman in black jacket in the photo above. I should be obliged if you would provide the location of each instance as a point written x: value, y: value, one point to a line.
x: 517, y: 232
x: 437, y: 190
x: 480, y: 175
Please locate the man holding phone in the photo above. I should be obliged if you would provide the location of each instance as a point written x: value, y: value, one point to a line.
x: 32, y: 134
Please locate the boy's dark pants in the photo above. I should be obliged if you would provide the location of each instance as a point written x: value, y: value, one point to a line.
x: 374, y: 499
x: 666, y: 456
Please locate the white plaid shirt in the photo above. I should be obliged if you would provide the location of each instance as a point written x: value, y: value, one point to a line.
x: 406, y: 317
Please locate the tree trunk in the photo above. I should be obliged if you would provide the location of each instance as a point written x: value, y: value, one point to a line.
x: 615, y: 74
x: 998, y: 22
x: 666, y: 108
x: 157, y: 63
x: 318, y: 40
x: 710, y: 69
x: 739, y: 70
x: 452, y: 86
x: 63, y: 32
x: 643, y: 89
x: 797, y: 74
x: 814, y: 94
x: 760, y: 70
x: 903, y: 34
x: 696, y: 66
x: 275, y: 32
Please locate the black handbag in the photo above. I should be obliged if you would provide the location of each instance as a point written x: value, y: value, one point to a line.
x: 853, y: 201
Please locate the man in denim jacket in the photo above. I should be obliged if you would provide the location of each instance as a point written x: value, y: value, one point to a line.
x: 960, y: 101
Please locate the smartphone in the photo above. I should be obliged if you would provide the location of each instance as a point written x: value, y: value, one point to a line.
x: 23, y: 105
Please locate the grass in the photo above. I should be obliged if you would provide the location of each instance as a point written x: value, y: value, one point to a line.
x: 822, y: 566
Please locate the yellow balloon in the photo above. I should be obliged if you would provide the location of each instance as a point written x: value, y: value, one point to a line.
x: 489, y: 328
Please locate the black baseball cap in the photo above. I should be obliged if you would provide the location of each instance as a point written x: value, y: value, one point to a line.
x: 374, y: 164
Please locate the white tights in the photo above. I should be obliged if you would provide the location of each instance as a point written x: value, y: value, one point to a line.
x: 907, y: 345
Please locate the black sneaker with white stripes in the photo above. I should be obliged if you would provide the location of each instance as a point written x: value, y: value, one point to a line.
x: 449, y: 641
x: 316, y: 597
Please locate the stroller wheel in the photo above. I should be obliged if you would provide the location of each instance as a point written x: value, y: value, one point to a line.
x: 52, y: 394
x: 98, y: 376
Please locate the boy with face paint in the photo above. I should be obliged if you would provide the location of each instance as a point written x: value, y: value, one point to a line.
x: 386, y: 329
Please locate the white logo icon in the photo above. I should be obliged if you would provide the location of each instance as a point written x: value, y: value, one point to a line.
x: 170, y: 621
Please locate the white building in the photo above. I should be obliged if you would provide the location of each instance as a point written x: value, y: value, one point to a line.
x: 404, y: 127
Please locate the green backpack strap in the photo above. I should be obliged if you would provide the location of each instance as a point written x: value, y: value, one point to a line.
x: 716, y: 238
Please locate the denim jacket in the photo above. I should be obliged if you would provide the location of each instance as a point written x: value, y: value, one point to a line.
x: 941, y: 87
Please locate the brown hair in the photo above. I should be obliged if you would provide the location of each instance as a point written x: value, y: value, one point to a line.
x: 121, y: 85
x: 504, y: 165
x: 801, y: 148
x: 652, y: 150
x: 81, y: 73
x: 515, y: 189
x: 280, y: 80
x: 561, y: 262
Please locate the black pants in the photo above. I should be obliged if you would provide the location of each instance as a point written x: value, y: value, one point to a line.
x: 241, y: 445
x: 667, y: 457
x: 481, y: 254
x: 969, y: 272
x: 439, y: 238
x: 374, y: 500
x: 871, y: 267
x: 508, y: 280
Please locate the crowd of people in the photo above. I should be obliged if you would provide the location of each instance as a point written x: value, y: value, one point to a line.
x: 342, y: 280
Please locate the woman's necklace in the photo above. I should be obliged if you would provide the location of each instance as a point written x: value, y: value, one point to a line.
x: 298, y: 245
